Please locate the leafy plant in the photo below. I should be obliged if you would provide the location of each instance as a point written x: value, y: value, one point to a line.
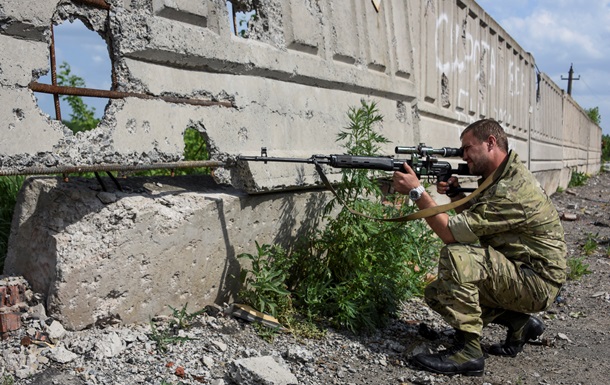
x: 167, y: 333
x: 265, y: 283
x: 578, y: 179
x: 9, y: 188
x: 577, y: 268
x: 594, y: 115
x: 606, y: 148
x: 590, y: 244
x: 356, y: 271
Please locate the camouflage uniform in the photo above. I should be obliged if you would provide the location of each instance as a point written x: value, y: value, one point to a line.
x: 519, y: 262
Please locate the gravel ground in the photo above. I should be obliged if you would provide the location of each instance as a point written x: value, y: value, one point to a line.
x: 218, y: 348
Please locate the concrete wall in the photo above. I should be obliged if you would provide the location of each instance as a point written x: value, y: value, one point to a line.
x: 431, y: 66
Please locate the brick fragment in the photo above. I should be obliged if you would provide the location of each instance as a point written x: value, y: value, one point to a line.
x: 9, y: 322
x: 16, y: 294
x: 2, y: 296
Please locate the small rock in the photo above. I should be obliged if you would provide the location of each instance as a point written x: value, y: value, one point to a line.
x: 220, y: 345
x: 61, y: 355
x: 106, y: 197
x: 569, y: 217
x: 55, y: 330
x: 261, y: 370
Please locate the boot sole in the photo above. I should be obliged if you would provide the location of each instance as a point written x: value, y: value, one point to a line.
x: 465, y: 372
x: 469, y: 373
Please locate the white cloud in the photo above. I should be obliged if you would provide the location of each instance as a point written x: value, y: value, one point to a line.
x: 560, y: 33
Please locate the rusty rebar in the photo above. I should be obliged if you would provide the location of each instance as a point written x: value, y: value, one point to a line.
x: 54, y: 74
x: 110, y: 167
x: 95, y: 3
x: 77, y: 91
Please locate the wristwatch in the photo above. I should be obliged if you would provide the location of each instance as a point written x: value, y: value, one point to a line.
x: 416, y: 193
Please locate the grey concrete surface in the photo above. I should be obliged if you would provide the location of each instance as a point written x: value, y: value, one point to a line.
x: 126, y: 256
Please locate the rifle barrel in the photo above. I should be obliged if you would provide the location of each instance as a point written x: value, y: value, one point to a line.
x: 266, y: 159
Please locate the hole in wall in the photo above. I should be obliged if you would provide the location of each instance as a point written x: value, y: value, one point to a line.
x: 241, y: 14
x: 195, y: 149
x: 82, y: 60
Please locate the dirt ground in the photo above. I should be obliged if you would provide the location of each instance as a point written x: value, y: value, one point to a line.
x: 575, y: 347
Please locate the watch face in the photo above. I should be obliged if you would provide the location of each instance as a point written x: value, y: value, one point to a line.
x: 414, y: 194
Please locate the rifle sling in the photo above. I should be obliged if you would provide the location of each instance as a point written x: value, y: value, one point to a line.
x: 424, y: 213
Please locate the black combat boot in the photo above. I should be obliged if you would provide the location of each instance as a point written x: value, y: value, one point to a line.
x: 466, y: 358
x: 521, y: 328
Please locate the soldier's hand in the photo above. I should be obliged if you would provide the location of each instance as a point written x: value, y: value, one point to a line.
x: 443, y: 187
x: 406, y: 181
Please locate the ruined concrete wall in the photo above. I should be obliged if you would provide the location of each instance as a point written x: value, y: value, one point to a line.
x: 432, y: 67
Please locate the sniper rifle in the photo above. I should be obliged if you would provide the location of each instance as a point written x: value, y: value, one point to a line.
x: 423, y: 161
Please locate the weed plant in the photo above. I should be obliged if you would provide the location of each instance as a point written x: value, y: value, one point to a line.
x: 9, y: 187
x: 577, y: 268
x: 356, y: 271
x: 165, y: 334
x: 590, y: 245
x: 578, y: 179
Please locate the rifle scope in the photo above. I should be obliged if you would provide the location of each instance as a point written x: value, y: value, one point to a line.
x: 424, y: 150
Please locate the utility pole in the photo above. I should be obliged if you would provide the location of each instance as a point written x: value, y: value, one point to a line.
x: 570, y: 78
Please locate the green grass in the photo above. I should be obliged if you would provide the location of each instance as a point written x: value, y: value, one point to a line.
x: 577, y: 268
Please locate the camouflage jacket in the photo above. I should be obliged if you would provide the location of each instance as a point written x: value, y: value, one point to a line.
x: 516, y: 218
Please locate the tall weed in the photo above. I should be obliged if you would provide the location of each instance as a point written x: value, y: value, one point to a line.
x: 356, y: 271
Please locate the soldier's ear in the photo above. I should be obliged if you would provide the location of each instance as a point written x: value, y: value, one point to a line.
x: 491, y: 142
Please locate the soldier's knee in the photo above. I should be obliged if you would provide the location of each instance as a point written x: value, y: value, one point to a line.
x: 461, y: 263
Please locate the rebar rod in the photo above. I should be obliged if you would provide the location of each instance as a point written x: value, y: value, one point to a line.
x: 95, y: 3
x: 54, y: 74
x: 110, y: 167
x: 78, y: 91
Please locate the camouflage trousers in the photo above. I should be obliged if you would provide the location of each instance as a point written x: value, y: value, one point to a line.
x: 477, y: 284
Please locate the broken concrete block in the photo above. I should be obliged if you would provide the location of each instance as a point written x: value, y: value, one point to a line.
x: 126, y: 261
x: 261, y: 371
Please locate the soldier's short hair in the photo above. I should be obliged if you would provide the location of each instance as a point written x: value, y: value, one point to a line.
x: 483, y: 128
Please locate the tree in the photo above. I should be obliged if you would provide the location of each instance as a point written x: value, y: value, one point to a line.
x: 594, y: 115
x: 82, y: 117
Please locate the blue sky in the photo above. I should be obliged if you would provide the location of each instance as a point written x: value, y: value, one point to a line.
x: 87, y: 54
x: 558, y: 33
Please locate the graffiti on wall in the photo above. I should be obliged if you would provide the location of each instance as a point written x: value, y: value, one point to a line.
x: 477, y: 67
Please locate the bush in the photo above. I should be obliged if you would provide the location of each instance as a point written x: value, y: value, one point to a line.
x: 578, y: 179
x: 9, y: 188
x: 356, y: 271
